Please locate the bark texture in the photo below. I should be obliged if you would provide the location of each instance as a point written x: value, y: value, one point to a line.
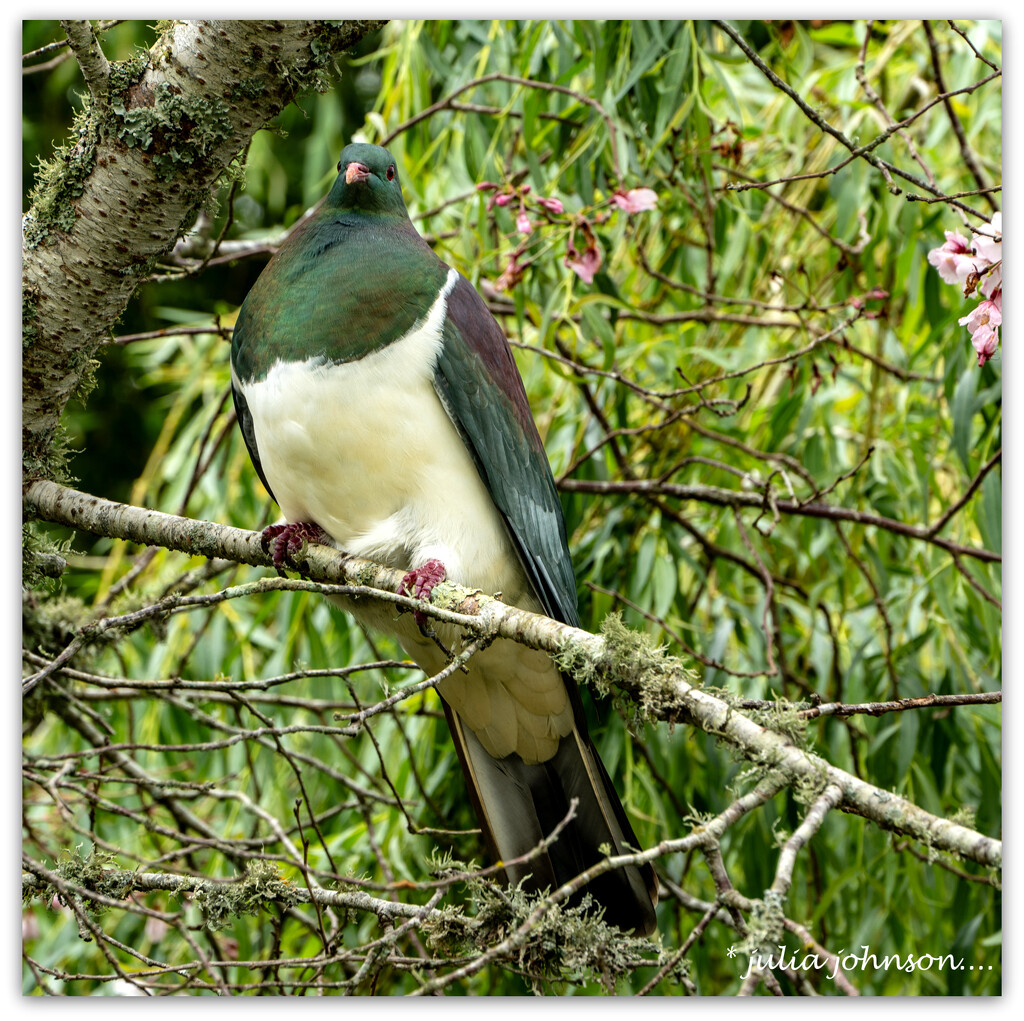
x: 158, y: 132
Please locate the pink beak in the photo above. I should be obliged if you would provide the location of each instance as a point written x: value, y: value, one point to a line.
x: 356, y: 172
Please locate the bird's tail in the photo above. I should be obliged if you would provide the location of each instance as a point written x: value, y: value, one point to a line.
x: 519, y: 804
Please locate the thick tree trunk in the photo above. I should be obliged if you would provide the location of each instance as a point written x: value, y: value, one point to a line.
x: 157, y: 133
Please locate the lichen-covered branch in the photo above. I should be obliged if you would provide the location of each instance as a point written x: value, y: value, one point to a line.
x: 660, y: 684
x: 260, y: 887
x: 158, y: 132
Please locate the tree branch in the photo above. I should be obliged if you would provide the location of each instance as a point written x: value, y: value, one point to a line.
x: 93, y: 62
x: 659, y: 683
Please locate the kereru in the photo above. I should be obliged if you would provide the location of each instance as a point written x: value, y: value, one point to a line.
x: 381, y: 405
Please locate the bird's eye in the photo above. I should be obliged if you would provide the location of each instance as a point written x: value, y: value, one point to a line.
x: 391, y: 172
x: 339, y: 166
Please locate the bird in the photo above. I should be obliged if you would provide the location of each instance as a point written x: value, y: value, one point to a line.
x: 384, y: 413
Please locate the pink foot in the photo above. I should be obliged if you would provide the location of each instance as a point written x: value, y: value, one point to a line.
x: 284, y: 542
x: 419, y: 583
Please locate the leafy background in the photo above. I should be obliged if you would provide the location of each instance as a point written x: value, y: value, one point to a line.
x: 889, y: 413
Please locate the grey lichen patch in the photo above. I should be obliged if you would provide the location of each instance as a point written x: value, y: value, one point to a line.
x: 261, y: 885
x: 84, y: 368
x: 634, y: 662
x: 782, y: 717
x: 178, y: 131
x: 328, y: 39
x: 367, y: 575
x: 965, y: 815
x: 251, y: 87
x: 765, y: 926
x: 445, y: 595
x: 49, y: 625
x: 126, y: 73
x: 568, y: 944
x: 97, y: 871
x: 48, y: 458
x: 808, y: 787
x: 448, y: 596
x: 43, y: 559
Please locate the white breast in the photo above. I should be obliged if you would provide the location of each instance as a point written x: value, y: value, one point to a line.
x: 367, y: 451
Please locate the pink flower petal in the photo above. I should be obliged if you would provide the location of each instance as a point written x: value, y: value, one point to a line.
x: 987, y: 314
x: 986, y: 343
x: 586, y: 265
x: 636, y: 200
x: 954, y: 260
x: 988, y: 240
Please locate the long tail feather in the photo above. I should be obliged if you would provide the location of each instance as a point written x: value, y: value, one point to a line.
x: 519, y: 804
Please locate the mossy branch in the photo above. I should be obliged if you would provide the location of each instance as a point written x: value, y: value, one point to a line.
x: 662, y: 686
x: 261, y: 887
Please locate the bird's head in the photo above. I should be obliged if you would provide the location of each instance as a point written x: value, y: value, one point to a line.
x: 368, y: 180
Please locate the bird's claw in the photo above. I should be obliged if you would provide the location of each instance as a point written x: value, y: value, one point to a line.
x: 419, y: 583
x: 285, y: 542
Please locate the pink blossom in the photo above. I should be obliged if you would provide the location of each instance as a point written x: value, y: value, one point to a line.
x: 585, y: 265
x: 978, y: 265
x: 523, y: 224
x: 954, y: 260
x: 985, y: 341
x: 503, y: 199
x: 636, y: 200
x: 486, y: 186
x: 551, y: 205
x: 988, y: 313
x: 983, y: 322
x: 988, y: 240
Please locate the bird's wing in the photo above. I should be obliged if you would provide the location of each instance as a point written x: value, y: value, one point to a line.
x: 477, y: 381
x: 249, y: 434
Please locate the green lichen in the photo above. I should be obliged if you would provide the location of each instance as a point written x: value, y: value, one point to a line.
x: 633, y: 662
x: 97, y: 871
x: 765, y: 926
x: 59, y: 181
x: 46, y: 456
x: 43, y: 559
x: 329, y: 38
x: 781, y: 716
x: 30, y: 297
x: 262, y: 883
x: 570, y: 943
x: 178, y: 131
x: 126, y: 73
